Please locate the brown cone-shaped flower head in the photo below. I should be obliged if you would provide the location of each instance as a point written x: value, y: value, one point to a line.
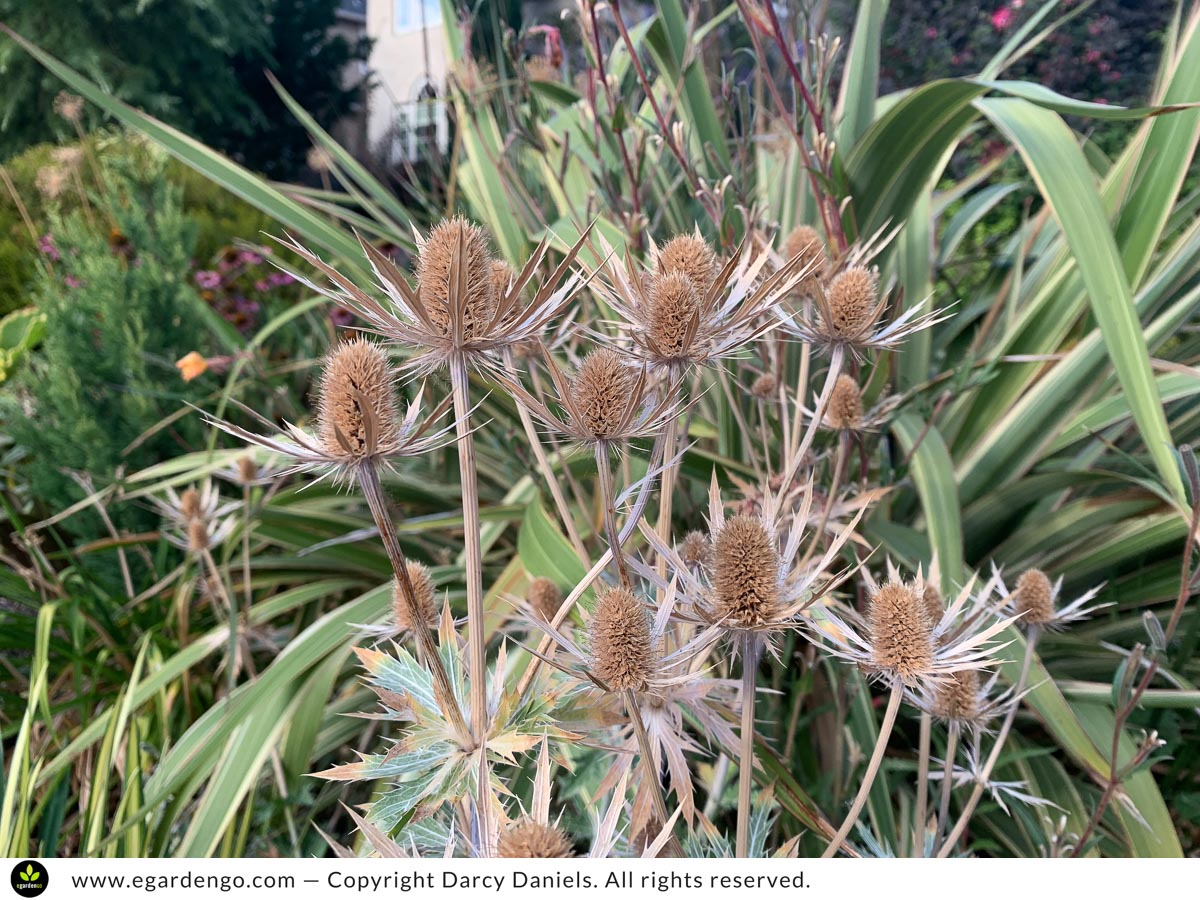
x: 691, y: 256
x: 356, y: 408
x: 247, y: 470
x: 695, y: 549
x: 763, y: 387
x: 745, y: 574
x: 601, y: 390
x: 622, y: 655
x: 803, y: 241
x: 1035, y: 598
x: 422, y: 592
x: 845, y: 411
x: 478, y: 302
x: 853, y: 304
x: 958, y: 697
x: 544, y: 596
x: 674, y: 305
x: 931, y: 601
x: 901, y: 640
x: 197, y: 535
x: 189, y: 504
x: 503, y: 277
x: 527, y: 839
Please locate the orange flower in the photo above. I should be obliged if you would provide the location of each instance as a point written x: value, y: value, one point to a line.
x: 192, y: 366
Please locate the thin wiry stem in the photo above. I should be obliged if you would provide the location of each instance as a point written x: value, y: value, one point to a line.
x: 539, y: 453
x: 750, y: 648
x: 476, y: 650
x: 246, y: 546
x: 947, y: 781
x: 982, y: 779
x: 922, y: 780
x: 218, y: 581
x: 648, y: 767
x: 667, y: 491
x: 427, y: 655
x: 608, y: 501
x: 864, y: 789
x: 835, y: 369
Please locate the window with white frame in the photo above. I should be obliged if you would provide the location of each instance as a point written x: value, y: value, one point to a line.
x: 422, y: 128
x: 412, y: 15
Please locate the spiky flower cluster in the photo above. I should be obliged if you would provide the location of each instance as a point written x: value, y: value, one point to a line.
x: 527, y: 839
x: 356, y: 403
x: 455, y: 279
x: 423, y: 594
x: 745, y: 574
x: 623, y: 656
x: 900, y: 632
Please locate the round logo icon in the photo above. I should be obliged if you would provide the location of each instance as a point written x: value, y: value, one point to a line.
x: 29, y: 878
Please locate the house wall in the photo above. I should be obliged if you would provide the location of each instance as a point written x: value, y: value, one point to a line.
x: 402, y: 57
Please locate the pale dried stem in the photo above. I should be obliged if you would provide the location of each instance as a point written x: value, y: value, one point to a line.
x: 476, y: 646
x: 539, y: 453
x: 218, y: 581
x: 947, y: 781
x: 835, y: 368
x: 981, y: 780
x: 427, y: 655
x: 864, y: 789
x: 608, y: 500
x: 835, y: 483
x: 923, y: 741
x: 750, y: 650
x: 649, y: 770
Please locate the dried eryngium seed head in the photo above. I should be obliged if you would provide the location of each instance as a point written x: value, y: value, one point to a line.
x: 601, y: 390
x: 845, y: 404
x: 503, y: 277
x: 763, y: 387
x: 958, y: 698
x: 423, y: 593
x: 1035, y: 598
x: 695, y: 549
x: 527, y: 839
x: 544, y: 596
x: 931, y: 602
x: 901, y: 640
x: 189, y: 504
x: 197, y: 535
x: 674, y: 302
x: 853, y: 304
x: 804, y: 242
x: 622, y: 655
x: 478, y: 304
x: 691, y: 256
x: 247, y: 470
x: 356, y: 409
x: 745, y: 565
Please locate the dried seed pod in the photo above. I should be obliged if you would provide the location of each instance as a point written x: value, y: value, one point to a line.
x: 804, y: 242
x: 691, y: 256
x: 931, y: 602
x: 527, y: 839
x: 622, y: 655
x: 853, y: 304
x: 958, y: 697
x: 745, y: 564
x: 695, y: 549
x: 423, y: 593
x: 247, y: 470
x: 503, y: 277
x: 356, y: 408
x: 544, y: 596
x: 1035, y: 598
x: 69, y: 106
x: 477, y: 304
x: 674, y: 306
x: 197, y: 535
x: 763, y: 387
x: 189, y: 504
x: 601, y: 390
x: 901, y: 639
x: 845, y: 410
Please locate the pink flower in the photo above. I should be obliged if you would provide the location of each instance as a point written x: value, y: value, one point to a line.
x: 1092, y: 56
x: 46, y: 247
x: 72, y: 281
x: 208, y: 279
x: 262, y: 285
x: 250, y: 258
x: 1002, y: 18
x: 931, y: 32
